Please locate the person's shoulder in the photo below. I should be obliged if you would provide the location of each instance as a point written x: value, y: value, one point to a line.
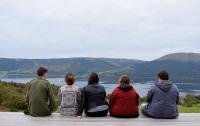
x: 134, y: 90
x: 62, y: 87
x: 32, y: 81
x: 101, y: 86
x: 75, y: 87
x: 85, y: 88
x: 175, y: 86
x: 153, y: 86
x: 44, y: 81
x: 116, y: 90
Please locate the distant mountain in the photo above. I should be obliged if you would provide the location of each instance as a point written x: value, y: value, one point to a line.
x: 59, y: 67
x: 183, y: 67
x: 182, y: 57
x: 179, y: 71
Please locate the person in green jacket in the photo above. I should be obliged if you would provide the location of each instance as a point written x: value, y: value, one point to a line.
x: 40, y: 99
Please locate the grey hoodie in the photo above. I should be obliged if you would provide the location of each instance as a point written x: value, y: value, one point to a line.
x: 162, y: 100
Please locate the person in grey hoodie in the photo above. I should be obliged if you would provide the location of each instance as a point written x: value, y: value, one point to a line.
x: 162, y: 99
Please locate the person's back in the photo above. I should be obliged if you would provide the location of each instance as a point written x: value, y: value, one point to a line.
x: 69, y: 97
x: 94, y: 99
x: 124, y: 100
x: 164, y: 102
x: 40, y: 100
x: 163, y: 98
x: 95, y: 96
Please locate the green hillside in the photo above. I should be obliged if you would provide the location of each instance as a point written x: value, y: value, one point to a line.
x: 12, y: 96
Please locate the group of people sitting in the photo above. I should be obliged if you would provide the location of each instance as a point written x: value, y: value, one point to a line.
x: 162, y: 98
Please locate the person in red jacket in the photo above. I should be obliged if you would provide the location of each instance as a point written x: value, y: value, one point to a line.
x: 124, y: 100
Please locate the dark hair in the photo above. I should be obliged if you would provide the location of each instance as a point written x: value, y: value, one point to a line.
x: 70, y: 78
x: 124, y: 82
x: 163, y: 75
x: 93, y: 79
x: 41, y: 71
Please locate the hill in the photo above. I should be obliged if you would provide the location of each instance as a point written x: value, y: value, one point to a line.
x: 182, y: 57
x: 59, y: 67
x: 183, y: 67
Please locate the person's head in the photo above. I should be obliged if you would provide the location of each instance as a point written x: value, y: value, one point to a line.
x: 93, y: 79
x: 70, y: 79
x: 42, y: 72
x: 163, y: 75
x: 124, y: 82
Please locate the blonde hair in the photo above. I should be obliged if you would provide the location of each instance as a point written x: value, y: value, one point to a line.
x: 124, y: 81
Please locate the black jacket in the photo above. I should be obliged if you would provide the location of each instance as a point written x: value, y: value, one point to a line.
x: 92, y: 96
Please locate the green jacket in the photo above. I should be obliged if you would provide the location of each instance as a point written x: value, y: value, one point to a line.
x: 39, y: 99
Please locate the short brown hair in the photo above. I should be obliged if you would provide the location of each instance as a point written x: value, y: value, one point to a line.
x: 93, y: 79
x: 41, y: 71
x: 70, y: 78
x: 163, y: 75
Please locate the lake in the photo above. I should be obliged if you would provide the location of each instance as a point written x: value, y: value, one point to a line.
x: 141, y: 88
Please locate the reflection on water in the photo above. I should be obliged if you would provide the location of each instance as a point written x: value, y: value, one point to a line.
x: 141, y: 88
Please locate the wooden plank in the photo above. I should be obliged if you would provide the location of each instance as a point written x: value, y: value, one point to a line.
x: 19, y: 119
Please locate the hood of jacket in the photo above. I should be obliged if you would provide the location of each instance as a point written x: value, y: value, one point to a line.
x: 164, y: 85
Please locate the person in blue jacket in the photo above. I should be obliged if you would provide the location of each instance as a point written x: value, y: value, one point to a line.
x: 162, y: 99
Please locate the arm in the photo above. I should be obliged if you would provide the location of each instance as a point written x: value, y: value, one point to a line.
x: 111, y: 101
x: 177, y: 100
x: 51, y: 98
x: 26, y: 111
x: 150, y: 95
x: 79, y: 102
x: 137, y: 98
x: 105, y: 96
x: 82, y: 103
x: 59, y: 97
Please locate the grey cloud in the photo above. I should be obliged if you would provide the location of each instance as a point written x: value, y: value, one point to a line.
x: 145, y: 29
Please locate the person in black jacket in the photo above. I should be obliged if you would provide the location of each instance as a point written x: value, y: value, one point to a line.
x: 93, y: 98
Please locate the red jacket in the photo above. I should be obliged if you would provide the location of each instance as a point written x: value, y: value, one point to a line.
x: 124, y: 103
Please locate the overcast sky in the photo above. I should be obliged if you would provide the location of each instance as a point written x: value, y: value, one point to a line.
x: 137, y: 29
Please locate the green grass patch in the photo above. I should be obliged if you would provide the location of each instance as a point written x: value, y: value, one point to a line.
x: 193, y: 109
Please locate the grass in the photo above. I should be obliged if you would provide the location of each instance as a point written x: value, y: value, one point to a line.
x: 12, y: 96
x: 4, y: 109
x: 193, y: 109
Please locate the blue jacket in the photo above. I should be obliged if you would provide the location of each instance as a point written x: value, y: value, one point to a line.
x: 162, y: 100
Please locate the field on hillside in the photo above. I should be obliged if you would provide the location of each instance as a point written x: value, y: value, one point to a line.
x: 12, y: 98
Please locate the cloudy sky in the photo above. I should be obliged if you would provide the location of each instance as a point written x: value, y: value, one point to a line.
x: 137, y: 29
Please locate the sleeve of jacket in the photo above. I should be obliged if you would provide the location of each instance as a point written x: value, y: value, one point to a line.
x: 150, y: 94
x: 137, y: 98
x: 26, y: 111
x: 81, y: 106
x: 105, y: 95
x: 112, y: 100
x: 51, y: 98
x: 178, y: 97
x: 79, y: 113
x: 59, y: 97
